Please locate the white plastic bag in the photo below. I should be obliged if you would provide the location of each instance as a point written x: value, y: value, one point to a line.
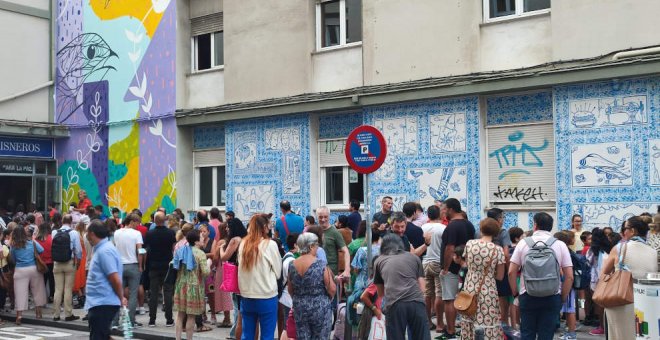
x: 377, y: 331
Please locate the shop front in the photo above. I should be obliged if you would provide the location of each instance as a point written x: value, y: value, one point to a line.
x: 28, y: 173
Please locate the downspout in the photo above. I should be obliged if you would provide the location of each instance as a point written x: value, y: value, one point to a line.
x: 636, y: 53
x: 51, y: 62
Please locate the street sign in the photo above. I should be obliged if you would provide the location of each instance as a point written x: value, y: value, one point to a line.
x: 365, y: 149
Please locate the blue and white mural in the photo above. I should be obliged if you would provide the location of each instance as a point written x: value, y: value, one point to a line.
x: 609, y: 129
x: 602, y: 164
x: 433, y: 152
x: 608, y: 111
x: 654, y: 161
x: 268, y: 161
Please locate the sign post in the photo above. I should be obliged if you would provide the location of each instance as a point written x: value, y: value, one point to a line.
x: 365, y: 152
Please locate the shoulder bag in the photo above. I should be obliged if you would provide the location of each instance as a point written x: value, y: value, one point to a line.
x: 466, y: 303
x: 615, y: 289
x: 41, y: 266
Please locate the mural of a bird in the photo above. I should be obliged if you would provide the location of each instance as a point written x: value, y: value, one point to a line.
x: 82, y: 57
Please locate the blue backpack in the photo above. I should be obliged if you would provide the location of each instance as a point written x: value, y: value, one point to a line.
x: 581, y: 271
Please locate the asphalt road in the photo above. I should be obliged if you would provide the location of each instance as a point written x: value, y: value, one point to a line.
x: 33, y: 332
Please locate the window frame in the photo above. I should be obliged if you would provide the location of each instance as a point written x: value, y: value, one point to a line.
x: 214, y: 185
x: 194, y: 53
x: 342, y: 28
x: 345, y: 188
x: 518, y: 14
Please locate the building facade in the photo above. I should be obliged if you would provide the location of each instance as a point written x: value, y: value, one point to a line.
x: 28, y: 134
x: 517, y: 104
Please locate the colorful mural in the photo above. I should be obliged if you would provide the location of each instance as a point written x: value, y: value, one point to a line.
x: 115, y: 89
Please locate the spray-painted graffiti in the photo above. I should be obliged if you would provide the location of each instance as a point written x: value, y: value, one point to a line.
x: 115, y: 89
x: 520, y: 194
x: 512, y: 155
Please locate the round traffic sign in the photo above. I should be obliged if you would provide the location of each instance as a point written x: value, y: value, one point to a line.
x: 365, y: 149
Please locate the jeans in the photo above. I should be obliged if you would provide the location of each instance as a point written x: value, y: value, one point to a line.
x: 235, y: 299
x: 538, y: 316
x: 49, y: 278
x: 264, y: 310
x: 100, y: 318
x: 64, y: 274
x: 131, y: 279
x: 156, y: 280
x: 407, y: 314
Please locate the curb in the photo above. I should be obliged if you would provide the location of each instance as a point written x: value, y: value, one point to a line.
x: 82, y: 327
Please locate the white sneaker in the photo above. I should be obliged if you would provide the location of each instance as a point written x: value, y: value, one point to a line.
x: 141, y: 311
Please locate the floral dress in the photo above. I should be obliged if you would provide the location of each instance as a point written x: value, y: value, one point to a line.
x: 478, y: 255
x: 311, y: 304
x: 189, y: 287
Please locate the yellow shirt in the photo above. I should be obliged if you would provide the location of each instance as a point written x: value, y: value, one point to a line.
x: 577, y: 244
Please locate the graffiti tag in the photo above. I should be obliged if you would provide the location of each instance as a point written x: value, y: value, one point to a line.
x: 521, y: 194
x: 512, y: 155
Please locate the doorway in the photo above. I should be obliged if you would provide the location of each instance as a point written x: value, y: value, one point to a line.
x: 15, y: 190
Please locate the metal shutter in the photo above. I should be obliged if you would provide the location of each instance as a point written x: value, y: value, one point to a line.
x: 209, y: 157
x: 521, y: 164
x: 331, y: 153
x: 206, y: 24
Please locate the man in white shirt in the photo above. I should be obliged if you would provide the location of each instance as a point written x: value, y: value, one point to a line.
x: 128, y: 242
x: 65, y: 262
x: 432, y: 264
x: 538, y: 314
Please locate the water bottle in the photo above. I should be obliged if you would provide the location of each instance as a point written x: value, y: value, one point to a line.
x: 126, y: 324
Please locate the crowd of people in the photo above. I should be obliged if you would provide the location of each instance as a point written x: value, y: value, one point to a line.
x: 308, y: 278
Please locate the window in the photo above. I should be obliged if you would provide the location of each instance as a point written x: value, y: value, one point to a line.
x: 208, y: 49
x: 339, y: 183
x: 210, y: 182
x: 208, y: 41
x: 339, y: 22
x: 211, y: 190
x: 509, y: 8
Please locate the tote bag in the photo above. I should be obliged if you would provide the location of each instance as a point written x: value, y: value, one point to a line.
x: 377, y: 331
x: 230, y: 278
x: 615, y: 289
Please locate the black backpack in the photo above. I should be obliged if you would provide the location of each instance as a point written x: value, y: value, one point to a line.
x: 61, y: 246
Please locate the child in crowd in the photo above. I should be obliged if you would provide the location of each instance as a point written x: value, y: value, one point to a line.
x: 515, y: 234
x: 569, y: 307
x: 586, y: 240
x: 460, y: 260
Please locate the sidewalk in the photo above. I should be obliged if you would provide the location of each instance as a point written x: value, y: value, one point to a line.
x: 160, y: 332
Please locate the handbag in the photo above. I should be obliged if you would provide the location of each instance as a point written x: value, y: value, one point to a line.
x: 466, y: 303
x: 615, y: 289
x: 170, y: 276
x: 230, y: 278
x: 41, y: 266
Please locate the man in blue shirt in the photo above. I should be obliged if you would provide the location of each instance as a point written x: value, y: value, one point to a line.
x: 354, y: 218
x: 289, y: 223
x: 103, y: 279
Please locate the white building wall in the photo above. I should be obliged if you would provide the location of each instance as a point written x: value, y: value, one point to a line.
x: 25, y: 64
x: 515, y: 43
x: 337, y: 69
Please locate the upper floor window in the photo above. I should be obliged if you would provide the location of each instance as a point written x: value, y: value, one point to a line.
x: 510, y: 8
x: 208, y: 42
x: 338, y: 22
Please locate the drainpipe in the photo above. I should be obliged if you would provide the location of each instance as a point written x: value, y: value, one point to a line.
x: 635, y: 53
x: 51, y: 61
